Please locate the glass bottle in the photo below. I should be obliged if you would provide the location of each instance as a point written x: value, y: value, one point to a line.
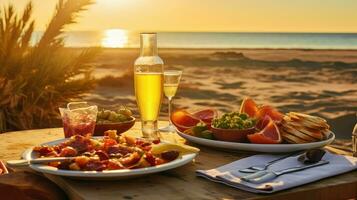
x: 148, y: 83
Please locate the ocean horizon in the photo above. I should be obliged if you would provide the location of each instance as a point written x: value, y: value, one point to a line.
x: 119, y: 38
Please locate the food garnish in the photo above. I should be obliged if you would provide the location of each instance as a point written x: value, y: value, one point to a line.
x: 111, y: 152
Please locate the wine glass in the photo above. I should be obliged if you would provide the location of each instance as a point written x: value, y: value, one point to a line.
x: 171, y: 82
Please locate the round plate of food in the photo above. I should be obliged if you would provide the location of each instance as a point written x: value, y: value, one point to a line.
x: 260, y: 128
x: 266, y: 148
x: 110, y: 157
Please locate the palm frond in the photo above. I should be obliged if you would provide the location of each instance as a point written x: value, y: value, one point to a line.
x: 15, y: 35
x: 66, y: 12
x: 27, y: 27
x: 35, y: 81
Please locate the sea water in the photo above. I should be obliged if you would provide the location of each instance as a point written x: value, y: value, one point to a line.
x: 119, y: 38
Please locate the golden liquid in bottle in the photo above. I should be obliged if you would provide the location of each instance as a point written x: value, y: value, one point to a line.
x: 148, y: 91
x: 170, y: 90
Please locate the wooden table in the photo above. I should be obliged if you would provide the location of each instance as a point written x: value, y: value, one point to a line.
x: 180, y: 183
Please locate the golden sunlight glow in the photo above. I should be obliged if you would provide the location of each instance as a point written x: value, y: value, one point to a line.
x: 115, y: 38
x: 216, y: 16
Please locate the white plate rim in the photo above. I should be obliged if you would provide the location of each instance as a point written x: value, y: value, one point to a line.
x: 28, y: 154
x: 267, y: 148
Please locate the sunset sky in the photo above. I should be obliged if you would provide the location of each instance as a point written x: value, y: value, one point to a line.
x: 210, y: 15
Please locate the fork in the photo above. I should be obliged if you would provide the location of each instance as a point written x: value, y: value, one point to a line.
x: 268, y: 175
x: 20, y: 163
x: 257, y: 168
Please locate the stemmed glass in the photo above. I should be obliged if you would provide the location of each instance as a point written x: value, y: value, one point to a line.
x: 171, y: 82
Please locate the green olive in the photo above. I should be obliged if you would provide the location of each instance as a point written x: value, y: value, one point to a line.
x: 125, y: 111
x: 106, y: 114
x: 122, y: 114
x: 112, y: 116
x: 100, y: 114
x: 120, y: 118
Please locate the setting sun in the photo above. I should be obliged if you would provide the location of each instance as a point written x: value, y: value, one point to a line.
x: 115, y: 38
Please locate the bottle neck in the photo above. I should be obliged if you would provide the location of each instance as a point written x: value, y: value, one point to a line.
x: 148, y: 44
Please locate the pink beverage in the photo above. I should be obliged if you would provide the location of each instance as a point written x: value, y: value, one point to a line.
x: 82, y: 128
x: 79, y: 119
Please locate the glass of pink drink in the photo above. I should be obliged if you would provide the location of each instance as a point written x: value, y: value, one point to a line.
x: 78, y: 118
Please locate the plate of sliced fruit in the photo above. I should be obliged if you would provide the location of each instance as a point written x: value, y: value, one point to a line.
x: 108, y: 157
x: 260, y: 128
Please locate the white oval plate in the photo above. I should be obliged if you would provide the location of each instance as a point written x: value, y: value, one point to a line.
x: 266, y: 148
x: 110, y: 174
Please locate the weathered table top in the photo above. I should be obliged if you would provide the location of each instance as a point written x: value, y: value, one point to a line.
x: 179, y: 183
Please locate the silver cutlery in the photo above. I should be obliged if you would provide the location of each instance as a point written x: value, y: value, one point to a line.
x: 263, y: 176
x: 256, y: 168
x: 21, y: 163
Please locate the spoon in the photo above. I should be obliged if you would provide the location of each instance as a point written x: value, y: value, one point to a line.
x: 21, y: 163
x: 312, y: 156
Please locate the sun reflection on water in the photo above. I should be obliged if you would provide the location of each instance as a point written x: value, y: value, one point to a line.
x: 115, y: 38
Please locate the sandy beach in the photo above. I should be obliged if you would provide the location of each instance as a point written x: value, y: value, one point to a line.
x: 317, y: 82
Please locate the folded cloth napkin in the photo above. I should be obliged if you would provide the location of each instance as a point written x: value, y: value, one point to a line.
x: 229, y: 174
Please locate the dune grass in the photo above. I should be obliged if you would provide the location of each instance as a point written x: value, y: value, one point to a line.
x: 36, y: 80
